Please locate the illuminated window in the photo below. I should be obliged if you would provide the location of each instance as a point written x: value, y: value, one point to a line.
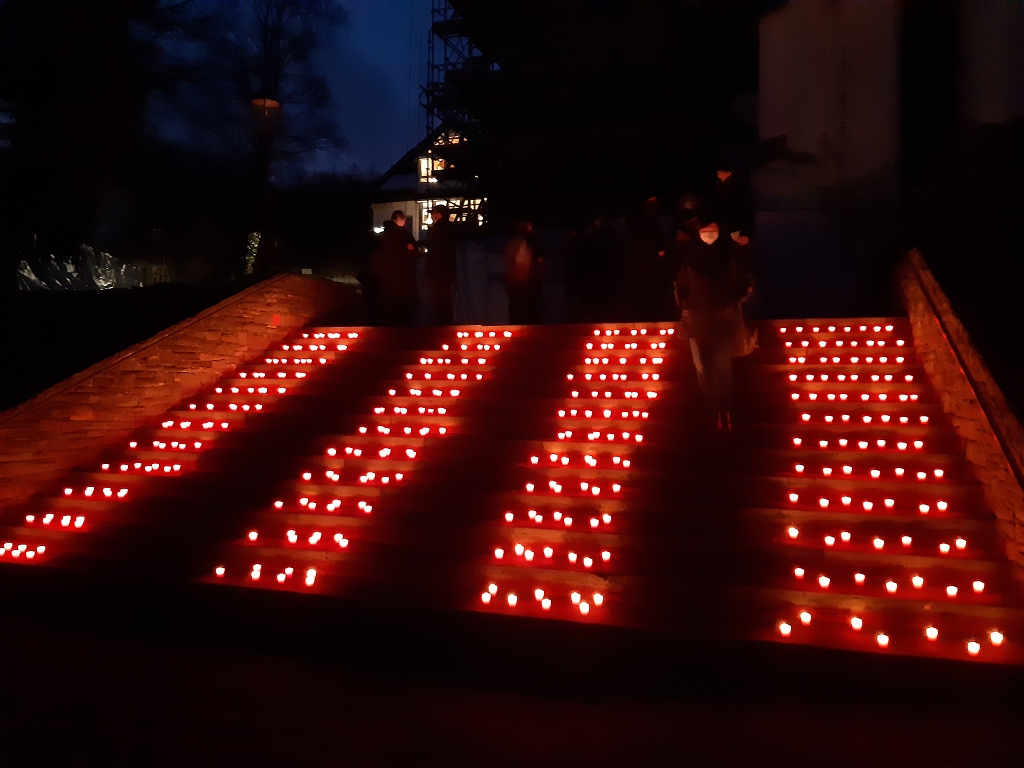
x: 459, y: 209
x: 428, y: 165
x: 449, y: 137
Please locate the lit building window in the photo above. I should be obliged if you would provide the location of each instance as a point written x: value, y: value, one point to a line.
x: 449, y: 137
x: 428, y: 165
x: 459, y: 210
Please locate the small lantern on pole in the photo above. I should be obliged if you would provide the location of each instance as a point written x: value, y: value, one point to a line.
x: 266, y: 117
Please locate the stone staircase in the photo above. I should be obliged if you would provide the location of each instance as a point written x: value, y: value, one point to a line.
x: 567, y: 474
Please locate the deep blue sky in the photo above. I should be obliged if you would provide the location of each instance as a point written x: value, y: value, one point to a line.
x: 375, y: 69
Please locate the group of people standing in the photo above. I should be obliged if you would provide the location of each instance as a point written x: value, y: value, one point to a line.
x: 696, y: 270
x: 390, y: 279
x: 390, y: 282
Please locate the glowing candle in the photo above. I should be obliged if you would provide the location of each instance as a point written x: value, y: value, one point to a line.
x: 857, y: 623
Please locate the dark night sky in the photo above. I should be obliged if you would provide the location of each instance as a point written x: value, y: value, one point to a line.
x: 375, y: 69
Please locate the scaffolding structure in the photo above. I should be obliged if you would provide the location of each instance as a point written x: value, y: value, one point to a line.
x: 450, y: 53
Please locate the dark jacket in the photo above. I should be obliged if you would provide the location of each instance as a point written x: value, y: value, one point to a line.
x: 712, y: 282
x: 441, y: 243
x: 524, y: 263
x: 394, y: 263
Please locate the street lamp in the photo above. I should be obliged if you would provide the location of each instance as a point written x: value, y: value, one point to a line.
x: 266, y: 117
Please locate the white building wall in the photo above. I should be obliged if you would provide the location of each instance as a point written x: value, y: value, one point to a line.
x: 829, y: 81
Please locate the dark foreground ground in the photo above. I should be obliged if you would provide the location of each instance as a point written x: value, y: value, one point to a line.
x: 103, y: 674
x: 137, y: 674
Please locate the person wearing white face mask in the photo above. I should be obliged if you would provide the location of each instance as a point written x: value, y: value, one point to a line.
x: 712, y: 285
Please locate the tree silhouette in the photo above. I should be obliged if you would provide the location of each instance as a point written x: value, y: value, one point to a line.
x: 218, y: 57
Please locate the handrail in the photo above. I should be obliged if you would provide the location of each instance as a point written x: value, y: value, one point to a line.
x: 983, y: 402
x: 118, y: 357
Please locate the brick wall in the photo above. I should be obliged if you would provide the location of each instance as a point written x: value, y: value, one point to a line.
x: 72, y: 422
x: 992, y: 436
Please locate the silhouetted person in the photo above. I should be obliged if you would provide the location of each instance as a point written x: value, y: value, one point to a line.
x: 713, y: 284
x: 440, y: 264
x: 575, y: 275
x: 649, y: 284
x: 691, y: 211
x: 393, y: 267
x: 688, y: 216
x: 524, y: 276
x: 597, y: 255
x: 733, y: 202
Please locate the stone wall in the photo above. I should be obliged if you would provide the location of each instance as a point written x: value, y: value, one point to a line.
x: 70, y: 423
x: 992, y: 436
